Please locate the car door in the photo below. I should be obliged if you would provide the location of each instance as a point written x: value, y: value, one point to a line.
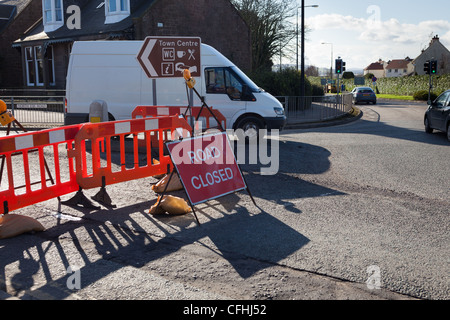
x: 438, y: 111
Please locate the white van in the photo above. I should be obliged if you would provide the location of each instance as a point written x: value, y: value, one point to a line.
x: 110, y: 71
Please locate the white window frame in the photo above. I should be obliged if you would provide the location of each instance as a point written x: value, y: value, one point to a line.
x: 30, y: 82
x: 33, y: 63
x: 120, y: 11
x: 56, y: 11
x: 39, y: 82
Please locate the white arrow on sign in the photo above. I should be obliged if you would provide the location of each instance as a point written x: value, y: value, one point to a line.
x: 145, y: 61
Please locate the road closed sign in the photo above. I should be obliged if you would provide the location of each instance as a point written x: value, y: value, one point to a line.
x: 206, y: 166
x: 168, y: 57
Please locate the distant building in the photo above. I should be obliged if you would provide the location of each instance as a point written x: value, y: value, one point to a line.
x: 399, y: 68
x: 36, y: 41
x: 435, y: 51
x: 376, y: 68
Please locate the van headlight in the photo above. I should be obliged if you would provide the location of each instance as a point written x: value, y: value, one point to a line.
x: 278, y: 111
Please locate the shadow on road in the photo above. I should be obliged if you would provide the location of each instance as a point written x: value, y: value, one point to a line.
x: 118, y: 236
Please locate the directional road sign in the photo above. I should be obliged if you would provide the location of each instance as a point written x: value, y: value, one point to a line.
x: 168, y: 57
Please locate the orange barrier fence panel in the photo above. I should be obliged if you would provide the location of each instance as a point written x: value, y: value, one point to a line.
x: 204, y: 115
x: 134, y: 145
x: 31, y: 168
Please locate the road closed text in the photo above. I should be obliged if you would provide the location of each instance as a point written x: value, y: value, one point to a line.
x: 211, y: 178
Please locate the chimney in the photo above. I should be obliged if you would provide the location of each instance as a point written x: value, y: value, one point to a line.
x: 435, y: 39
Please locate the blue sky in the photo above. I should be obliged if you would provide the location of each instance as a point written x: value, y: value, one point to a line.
x: 364, y: 31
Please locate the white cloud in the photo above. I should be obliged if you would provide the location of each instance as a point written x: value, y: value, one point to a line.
x: 378, y: 30
x: 367, y: 39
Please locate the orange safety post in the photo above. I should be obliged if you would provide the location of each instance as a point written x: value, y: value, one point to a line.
x: 27, y: 167
x: 103, y: 138
x: 211, y: 118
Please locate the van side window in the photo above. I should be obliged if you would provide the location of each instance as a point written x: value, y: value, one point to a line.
x: 224, y: 81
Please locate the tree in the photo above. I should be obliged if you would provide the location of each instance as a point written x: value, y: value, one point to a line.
x: 312, y: 71
x: 270, y: 28
x: 348, y: 75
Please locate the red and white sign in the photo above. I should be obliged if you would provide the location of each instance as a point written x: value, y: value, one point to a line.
x: 206, y: 166
x: 168, y: 57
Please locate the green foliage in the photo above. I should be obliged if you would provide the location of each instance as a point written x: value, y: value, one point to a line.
x: 400, y: 85
x: 422, y: 95
x: 281, y: 83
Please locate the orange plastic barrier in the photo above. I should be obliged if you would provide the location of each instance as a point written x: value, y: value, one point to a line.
x: 30, y: 167
x: 130, y: 138
x: 209, y: 118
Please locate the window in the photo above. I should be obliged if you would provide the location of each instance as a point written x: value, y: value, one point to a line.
x: 38, y: 58
x: 116, y: 10
x: 29, y: 66
x: 227, y: 81
x: 34, y: 66
x: 441, y: 101
x: 53, y: 14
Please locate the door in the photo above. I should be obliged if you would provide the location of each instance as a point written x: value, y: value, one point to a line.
x: 224, y: 91
x: 438, y: 111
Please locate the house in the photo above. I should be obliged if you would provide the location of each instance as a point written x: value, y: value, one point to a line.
x: 44, y: 47
x: 399, y: 68
x: 435, y: 51
x: 376, y: 68
x: 16, y: 17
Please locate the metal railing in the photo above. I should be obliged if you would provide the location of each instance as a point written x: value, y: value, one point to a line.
x: 37, y: 111
x: 46, y: 111
x: 316, y: 109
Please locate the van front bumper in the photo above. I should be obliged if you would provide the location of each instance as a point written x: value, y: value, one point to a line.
x: 75, y: 118
x: 275, y: 122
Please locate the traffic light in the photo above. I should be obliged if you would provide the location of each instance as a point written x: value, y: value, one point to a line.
x: 433, y: 66
x: 338, y: 66
x: 426, y: 67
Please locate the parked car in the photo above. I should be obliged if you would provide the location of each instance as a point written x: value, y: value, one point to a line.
x: 437, y: 115
x: 364, y: 94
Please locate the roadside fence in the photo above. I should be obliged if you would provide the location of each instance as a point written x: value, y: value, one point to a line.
x: 48, y: 111
x: 315, y: 109
x: 38, y: 109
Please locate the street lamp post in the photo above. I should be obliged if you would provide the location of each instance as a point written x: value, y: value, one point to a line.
x: 331, y: 67
x: 302, y: 61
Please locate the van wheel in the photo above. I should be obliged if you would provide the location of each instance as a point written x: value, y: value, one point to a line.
x: 250, y: 126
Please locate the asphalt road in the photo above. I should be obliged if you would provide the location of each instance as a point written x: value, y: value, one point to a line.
x: 355, y: 211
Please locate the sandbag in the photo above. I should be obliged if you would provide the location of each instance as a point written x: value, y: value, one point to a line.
x: 156, y: 209
x: 12, y: 225
x: 174, y: 184
x: 170, y: 204
x: 158, y: 176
